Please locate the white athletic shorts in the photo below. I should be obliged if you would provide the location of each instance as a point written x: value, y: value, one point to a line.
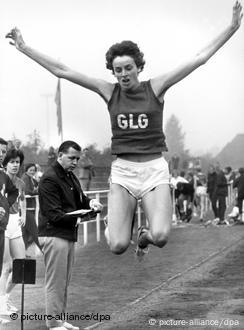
x: 13, y: 229
x: 139, y: 178
x: 201, y: 191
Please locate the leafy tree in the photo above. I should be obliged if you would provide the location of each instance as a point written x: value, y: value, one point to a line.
x: 175, y: 136
x: 100, y: 158
x: 175, y: 139
x: 34, y: 141
x: 34, y: 150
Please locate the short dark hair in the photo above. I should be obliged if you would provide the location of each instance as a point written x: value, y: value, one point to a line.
x: 64, y: 147
x: 182, y: 173
x: 12, y: 154
x: 29, y: 165
x: 128, y: 48
x: 228, y: 169
x: 241, y: 170
x: 2, y: 141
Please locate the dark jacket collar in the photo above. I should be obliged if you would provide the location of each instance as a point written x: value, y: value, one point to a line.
x: 64, y: 174
x: 59, y: 169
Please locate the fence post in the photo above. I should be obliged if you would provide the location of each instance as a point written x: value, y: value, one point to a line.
x: 98, y: 219
x: 37, y: 209
x: 85, y: 234
x: 97, y: 194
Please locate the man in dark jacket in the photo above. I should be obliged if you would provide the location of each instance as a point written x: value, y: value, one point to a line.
x: 59, y: 194
x: 220, y: 193
x: 211, y: 188
x: 8, y: 195
x: 239, y: 184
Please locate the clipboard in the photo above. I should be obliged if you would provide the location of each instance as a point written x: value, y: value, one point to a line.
x: 84, y: 215
x: 80, y: 212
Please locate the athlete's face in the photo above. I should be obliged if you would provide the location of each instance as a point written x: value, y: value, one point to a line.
x: 13, y: 166
x: 126, y: 72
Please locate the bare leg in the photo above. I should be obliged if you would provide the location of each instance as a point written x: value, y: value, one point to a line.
x: 157, y: 205
x: 121, y: 209
x: 17, y: 251
x: 202, y: 206
x: 7, y: 261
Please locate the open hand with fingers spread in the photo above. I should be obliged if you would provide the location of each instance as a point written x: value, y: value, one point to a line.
x: 16, y: 36
x: 237, y: 15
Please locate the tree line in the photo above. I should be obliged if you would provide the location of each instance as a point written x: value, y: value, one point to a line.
x: 35, y: 150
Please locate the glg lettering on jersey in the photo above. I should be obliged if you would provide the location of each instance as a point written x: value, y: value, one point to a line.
x: 132, y: 121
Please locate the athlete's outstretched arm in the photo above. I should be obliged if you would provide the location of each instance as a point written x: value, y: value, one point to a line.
x: 161, y: 83
x: 60, y: 70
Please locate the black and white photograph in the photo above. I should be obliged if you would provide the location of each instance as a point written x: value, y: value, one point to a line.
x: 121, y: 164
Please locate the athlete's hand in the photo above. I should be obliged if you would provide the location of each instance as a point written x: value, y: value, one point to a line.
x: 16, y: 37
x: 22, y: 221
x: 237, y: 15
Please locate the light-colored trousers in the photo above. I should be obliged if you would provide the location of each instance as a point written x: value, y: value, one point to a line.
x: 59, y: 260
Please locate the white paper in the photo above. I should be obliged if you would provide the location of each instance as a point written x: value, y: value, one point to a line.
x: 79, y: 212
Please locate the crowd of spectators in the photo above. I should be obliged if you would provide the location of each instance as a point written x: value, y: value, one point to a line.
x: 195, y: 193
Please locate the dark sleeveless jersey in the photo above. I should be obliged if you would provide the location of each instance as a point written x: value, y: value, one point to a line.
x: 136, y: 121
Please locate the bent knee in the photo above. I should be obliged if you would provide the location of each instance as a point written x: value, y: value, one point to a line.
x: 160, y: 239
x: 118, y: 247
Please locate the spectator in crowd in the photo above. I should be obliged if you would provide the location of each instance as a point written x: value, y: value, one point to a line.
x: 198, y: 165
x: 8, y: 195
x: 229, y: 174
x: 239, y: 185
x: 200, y: 194
x: 185, y: 196
x: 39, y: 173
x: 220, y: 194
x: 174, y: 163
x: 211, y: 188
x: 17, y: 145
x: 30, y: 231
x: 230, y: 177
x: 85, y: 170
x: 59, y: 193
x: 10, y: 144
x: 177, y: 177
x: 51, y: 156
x: 184, y: 192
x: 14, y: 245
x: 3, y: 151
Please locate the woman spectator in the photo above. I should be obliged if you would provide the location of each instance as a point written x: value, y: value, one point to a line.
x: 51, y: 157
x: 211, y: 187
x: 30, y: 232
x: 14, y: 246
x: 239, y: 185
